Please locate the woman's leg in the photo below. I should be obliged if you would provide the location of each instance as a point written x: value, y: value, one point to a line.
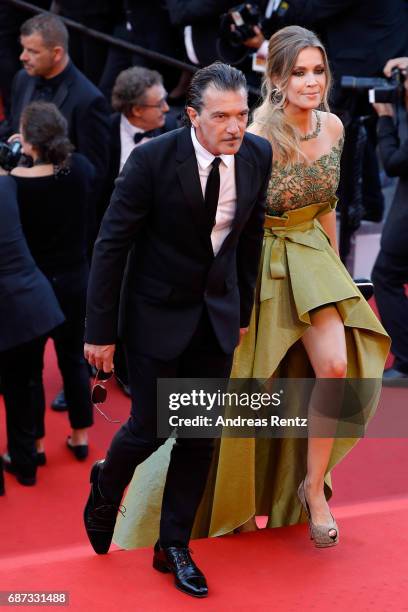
x: 325, y: 344
x: 70, y: 289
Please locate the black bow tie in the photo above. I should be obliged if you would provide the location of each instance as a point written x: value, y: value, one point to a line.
x: 138, y: 136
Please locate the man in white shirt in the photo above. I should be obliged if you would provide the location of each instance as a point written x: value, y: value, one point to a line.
x: 140, y: 101
x: 187, y: 216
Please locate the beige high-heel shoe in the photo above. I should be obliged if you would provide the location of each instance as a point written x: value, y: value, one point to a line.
x: 319, y: 533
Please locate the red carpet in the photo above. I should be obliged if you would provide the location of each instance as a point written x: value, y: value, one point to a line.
x: 44, y: 547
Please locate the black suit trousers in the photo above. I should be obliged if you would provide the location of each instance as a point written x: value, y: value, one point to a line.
x: 389, y: 276
x: 137, y: 439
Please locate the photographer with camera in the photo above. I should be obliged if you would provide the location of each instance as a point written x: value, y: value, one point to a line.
x: 390, y: 273
x: 225, y: 29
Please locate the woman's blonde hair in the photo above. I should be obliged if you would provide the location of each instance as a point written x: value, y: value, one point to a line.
x: 269, y: 119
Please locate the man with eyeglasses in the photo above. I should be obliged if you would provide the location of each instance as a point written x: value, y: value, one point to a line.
x: 140, y: 101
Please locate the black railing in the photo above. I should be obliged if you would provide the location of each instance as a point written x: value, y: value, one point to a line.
x: 111, y: 40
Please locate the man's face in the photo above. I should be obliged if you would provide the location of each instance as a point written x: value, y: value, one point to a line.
x: 37, y: 59
x: 152, y: 113
x: 221, y: 124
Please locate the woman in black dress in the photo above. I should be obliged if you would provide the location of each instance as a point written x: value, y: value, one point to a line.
x: 52, y: 197
x: 28, y: 312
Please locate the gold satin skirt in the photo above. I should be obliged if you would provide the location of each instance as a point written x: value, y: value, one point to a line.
x: 299, y: 272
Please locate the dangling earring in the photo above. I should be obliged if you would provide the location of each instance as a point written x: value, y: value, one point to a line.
x: 276, y: 97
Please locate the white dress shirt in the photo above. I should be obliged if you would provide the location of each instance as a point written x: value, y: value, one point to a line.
x: 127, y: 144
x: 227, y: 201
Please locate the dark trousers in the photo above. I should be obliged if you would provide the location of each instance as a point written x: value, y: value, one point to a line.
x: 18, y: 367
x: 70, y: 288
x: 137, y: 439
x: 389, y: 276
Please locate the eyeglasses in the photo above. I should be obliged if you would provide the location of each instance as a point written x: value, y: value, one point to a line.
x: 99, y: 392
x: 161, y: 104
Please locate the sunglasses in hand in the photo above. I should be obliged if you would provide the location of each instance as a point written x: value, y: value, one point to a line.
x: 99, y: 392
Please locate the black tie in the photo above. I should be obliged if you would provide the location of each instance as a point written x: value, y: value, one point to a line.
x: 212, y: 191
x: 138, y: 136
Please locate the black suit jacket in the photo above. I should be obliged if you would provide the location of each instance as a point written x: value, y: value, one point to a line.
x: 28, y: 306
x: 84, y: 107
x: 157, y: 213
x: 394, y: 156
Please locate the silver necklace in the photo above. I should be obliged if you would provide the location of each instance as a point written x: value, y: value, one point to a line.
x: 316, y: 131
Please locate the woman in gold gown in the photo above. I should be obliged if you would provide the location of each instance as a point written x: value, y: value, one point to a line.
x: 309, y: 319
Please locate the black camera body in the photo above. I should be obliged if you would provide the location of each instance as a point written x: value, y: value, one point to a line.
x: 10, y: 154
x: 244, y: 18
x: 379, y: 89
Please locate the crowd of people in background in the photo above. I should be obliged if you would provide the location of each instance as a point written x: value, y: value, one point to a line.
x: 79, y: 106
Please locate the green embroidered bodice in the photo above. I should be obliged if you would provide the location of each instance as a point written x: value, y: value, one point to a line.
x: 302, y: 184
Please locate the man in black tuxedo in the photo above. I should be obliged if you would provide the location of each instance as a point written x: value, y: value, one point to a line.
x: 188, y: 209
x: 142, y: 112
x: 201, y: 20
x: 140, y: 101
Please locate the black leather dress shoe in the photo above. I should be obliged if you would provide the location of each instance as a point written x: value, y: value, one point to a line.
x: 99, y: 515
x: 178, y: 561
x: 25, y: 479
x: 59, y: 403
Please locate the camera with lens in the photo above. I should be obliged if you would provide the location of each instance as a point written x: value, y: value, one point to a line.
x: 379, y: 89
x: 244, y: 18
x: 10, y: 154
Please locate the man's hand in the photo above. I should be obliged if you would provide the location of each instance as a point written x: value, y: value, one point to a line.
x: 383, y: 110
x: 402, y: 64
x: 256, y: 41
x: 14, y: 138
x: 396, y: 62
x: 100, y: 356
x: 242, y: 332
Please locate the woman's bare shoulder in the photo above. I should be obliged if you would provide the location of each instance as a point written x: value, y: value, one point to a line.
x: 21, y: 171
x: 333, y: 125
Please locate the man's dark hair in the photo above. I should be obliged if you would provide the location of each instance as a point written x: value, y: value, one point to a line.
x: 218, y: 75
x: 130, y: 88
x: 51, y: 29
